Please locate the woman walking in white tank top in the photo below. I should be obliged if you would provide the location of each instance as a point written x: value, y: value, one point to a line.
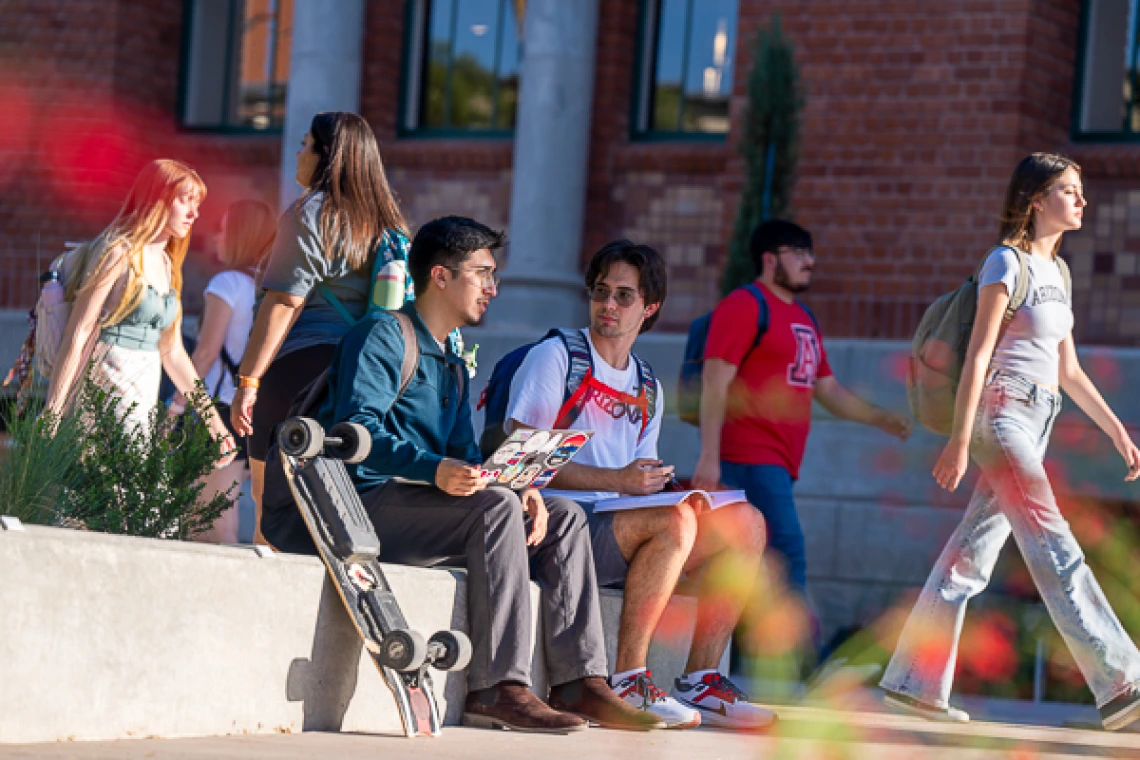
x: 1007, y: 402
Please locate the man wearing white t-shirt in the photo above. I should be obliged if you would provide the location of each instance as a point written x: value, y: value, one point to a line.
x: 644, y: 550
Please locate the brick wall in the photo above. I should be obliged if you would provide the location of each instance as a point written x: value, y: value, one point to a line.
x: 95, y: 88
x: 910, y: 130
x: 915, y: 114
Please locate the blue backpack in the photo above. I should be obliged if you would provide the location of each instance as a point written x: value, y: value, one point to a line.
x: 693, y: 364
x: 579, y: 378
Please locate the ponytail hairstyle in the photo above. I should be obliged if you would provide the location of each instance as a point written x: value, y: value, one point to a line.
x: 358, y: 204
x: 1032, y: 180
x: 142, y: 218
x: 250, y: 230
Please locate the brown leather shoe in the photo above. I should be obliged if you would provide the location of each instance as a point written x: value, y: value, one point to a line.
x: 593, y: 699
x: 514, y: 707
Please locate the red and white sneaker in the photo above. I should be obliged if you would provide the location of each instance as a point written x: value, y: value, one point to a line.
x: 721, y: 704
x: 640, y: 691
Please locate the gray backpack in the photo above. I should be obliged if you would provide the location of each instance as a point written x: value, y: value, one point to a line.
x: 938, y: 350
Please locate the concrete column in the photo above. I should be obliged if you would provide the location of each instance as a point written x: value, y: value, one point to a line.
x: 325, y: 69
x: 542, y: 284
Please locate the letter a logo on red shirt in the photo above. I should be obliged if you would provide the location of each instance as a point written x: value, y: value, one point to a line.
x: 802, y: 372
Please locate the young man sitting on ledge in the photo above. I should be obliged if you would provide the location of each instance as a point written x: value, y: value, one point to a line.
x: 425, y: 435
x: 644, y: 550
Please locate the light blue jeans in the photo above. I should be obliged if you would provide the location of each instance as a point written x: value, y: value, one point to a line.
x: 1013, y: 495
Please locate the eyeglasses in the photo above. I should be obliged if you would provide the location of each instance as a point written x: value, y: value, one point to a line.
x: 625, y: 297
x: 488, y: 275
x: 803, y: 254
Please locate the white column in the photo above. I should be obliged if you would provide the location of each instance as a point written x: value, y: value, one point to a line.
x: 325, y: 69
x: 542, y: 283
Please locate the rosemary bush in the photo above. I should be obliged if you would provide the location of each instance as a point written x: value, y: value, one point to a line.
x: 91, y: 471
x: 37, y: 464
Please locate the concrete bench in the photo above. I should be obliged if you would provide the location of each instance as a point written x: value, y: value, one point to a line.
x: 108, y: 637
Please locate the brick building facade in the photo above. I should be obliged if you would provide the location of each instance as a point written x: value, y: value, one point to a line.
x: 915, y: 114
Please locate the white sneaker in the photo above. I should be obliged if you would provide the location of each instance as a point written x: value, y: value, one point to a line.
x: 912, y: 706
x: 722, y: 705
x: 640, y: 691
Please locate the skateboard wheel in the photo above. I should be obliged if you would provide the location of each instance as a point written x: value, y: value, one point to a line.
x: 403, y: 650
x: 452, y: 649
x: 355, y: 442
x: 301, y: 437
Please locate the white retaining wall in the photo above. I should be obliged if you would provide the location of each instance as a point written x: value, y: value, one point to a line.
x: 110, y: 637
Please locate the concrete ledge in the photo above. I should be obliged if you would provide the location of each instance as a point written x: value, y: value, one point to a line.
x: 109, y: 637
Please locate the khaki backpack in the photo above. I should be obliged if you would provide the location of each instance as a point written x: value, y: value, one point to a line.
x: 938, y: 350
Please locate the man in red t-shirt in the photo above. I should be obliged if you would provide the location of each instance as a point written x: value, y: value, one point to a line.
x: 756, y: 395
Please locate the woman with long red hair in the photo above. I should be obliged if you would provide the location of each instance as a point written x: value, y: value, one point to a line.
x: 124, y: 287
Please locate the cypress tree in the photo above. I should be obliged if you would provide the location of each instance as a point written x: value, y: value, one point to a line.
x: 770, y: 145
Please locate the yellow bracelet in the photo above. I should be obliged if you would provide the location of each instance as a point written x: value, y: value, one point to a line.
x: 245, y: 381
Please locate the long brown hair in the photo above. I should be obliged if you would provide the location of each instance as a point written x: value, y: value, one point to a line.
x: 1032, y: 180
x: 142, y: 218
x: 250, y: 230
x: 358, y: 205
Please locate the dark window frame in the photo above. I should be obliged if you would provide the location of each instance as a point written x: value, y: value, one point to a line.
x: 184, y: 76
x: 417, y: 15
x: 1076, y: 134
x: 645, y: 65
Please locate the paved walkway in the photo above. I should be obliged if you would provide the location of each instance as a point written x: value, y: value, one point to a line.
x: 804, y: 732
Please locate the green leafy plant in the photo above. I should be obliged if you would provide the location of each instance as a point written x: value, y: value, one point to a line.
x: 87, y: 469
x: 770, y: 145
x: 38, y: 463
x: 147, y: 481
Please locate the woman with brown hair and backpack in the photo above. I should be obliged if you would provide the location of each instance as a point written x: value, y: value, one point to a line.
x: 317, y: 282
x: 1007, y: 401
x: 126, y: 312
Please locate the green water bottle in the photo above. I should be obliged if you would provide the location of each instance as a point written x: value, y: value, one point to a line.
x: 390, y: 287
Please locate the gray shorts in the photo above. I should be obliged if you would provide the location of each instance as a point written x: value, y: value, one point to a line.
x: 609, y: 564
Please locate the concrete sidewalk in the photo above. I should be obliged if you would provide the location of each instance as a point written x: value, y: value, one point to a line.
x: 803, y: 733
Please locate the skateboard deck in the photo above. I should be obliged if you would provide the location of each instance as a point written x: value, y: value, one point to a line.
x: 350, y: 550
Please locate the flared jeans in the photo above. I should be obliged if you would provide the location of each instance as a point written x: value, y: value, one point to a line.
x: 1013, y: 496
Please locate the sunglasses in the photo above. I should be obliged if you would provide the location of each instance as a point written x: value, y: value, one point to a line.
x: 625, y: 297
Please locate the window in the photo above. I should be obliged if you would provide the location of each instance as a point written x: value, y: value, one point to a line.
x: 685, y: 72
x: 462, y: 66
x: 1108, y: 103
x: 236, y: 64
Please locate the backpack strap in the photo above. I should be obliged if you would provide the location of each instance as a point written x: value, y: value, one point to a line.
x: 762, y: 317
x: 647, y: 383
x: 811, y: 314
x: 228, y: 365
x: 580, y: 359
x: 335, y: 302
x: 1021, y: 286
x: 314, y: 392
x: 317, y: 389
x: 580, y: 378
x: 411, y: 360
x: 579, y: 374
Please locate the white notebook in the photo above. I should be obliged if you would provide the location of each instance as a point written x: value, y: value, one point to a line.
x: 714, y: 500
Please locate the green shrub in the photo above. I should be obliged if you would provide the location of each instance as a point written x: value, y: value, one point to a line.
x: 93, y: 472
x: 37, y: 464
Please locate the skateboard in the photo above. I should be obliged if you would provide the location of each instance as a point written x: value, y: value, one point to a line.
x: 314, y: 468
